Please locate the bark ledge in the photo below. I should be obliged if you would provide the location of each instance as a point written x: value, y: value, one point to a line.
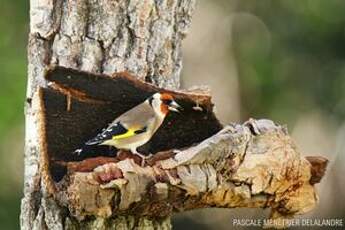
x: 253, y: 165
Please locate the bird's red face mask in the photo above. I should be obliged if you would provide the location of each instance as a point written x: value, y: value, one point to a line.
x: 168, y: 103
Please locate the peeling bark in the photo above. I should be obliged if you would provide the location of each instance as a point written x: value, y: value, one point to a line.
x: 251, y: 165
x: 139, y: 37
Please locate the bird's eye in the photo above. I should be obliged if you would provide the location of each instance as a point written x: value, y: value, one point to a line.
x: 167, y: 101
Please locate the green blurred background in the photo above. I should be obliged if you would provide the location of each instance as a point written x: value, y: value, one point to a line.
x: 277, y: 59
x: 14, y: 24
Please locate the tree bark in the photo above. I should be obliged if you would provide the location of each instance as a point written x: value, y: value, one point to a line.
x: 140, y: 37
x: 254, y: 164
x: 251, y: 165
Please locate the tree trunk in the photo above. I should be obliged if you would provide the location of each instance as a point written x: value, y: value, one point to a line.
x: 255, y: 164
x: 140, y: 37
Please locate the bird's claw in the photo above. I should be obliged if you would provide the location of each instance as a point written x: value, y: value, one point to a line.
x: 143, y: 157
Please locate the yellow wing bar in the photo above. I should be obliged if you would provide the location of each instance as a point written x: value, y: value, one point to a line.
x: 127, y: 134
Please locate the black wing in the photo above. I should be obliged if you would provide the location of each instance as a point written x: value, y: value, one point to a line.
x: 114, y: 130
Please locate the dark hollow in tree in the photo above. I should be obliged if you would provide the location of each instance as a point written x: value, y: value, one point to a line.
x: 78, y: 105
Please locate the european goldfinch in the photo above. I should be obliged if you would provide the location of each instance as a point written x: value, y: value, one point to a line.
x: 135, y: 127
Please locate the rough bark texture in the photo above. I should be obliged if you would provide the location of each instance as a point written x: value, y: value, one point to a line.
x: 139, y: 37
x: 251, y: 165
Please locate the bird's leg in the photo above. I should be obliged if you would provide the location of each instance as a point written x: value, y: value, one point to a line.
x: 143, y: 157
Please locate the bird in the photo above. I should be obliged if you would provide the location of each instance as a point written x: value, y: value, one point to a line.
x: 136, y: 127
